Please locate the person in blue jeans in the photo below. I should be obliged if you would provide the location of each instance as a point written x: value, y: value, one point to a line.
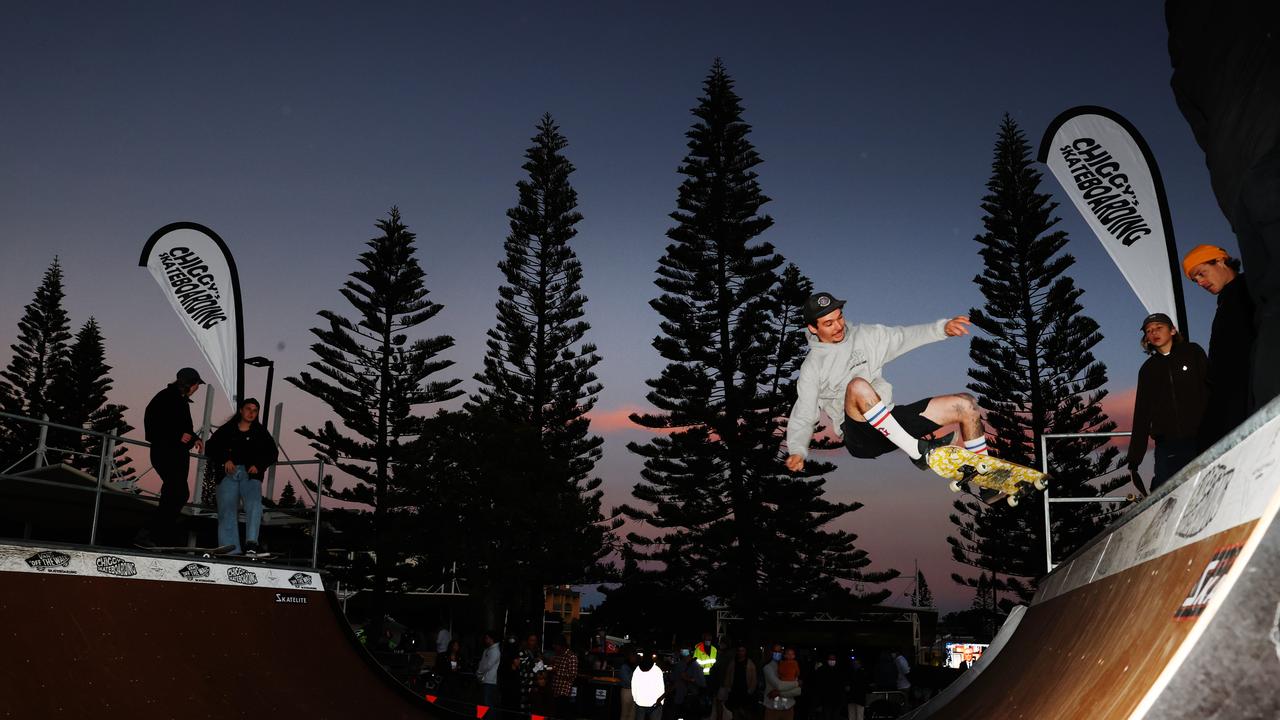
x: 243, y: 448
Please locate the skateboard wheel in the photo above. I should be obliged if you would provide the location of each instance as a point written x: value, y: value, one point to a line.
x: 983, y: 468
x: 1013, y: 501
x: 954, y: 485
x: 1041, y: 484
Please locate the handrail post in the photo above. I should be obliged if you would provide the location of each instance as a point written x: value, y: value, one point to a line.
x: 42, y: 446
x: 315, y: 531
x: 104, y: 463
x: 1048, y: 527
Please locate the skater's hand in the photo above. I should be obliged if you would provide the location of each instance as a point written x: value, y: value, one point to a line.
x: 229, y: 466
x: 199, y: 445
x: 186, y: 438
x: 958, y: 325
x: 795, y: 463
x: 253, y: 469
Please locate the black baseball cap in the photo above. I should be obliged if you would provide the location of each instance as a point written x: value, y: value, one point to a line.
x: 1156, y: 317
x: 820, y: 304
x: 189, y: 376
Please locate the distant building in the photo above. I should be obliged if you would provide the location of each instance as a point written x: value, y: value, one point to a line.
x: 563, y: 602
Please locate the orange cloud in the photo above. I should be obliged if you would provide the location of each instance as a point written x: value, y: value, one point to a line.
x: 619, y: 420
x: 1118, y: 404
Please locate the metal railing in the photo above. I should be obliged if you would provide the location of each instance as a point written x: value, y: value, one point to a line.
x: 107, y: 468
x: 1044, y: 467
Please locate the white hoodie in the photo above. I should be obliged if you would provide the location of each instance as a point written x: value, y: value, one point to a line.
x: 829, y: 367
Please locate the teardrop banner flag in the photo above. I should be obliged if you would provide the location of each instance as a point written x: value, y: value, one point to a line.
x: 198, y: 276
x: 1108, y: 171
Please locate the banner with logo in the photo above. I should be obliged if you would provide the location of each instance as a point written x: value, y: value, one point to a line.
x: 1109, y: 173
x: 198, y: 276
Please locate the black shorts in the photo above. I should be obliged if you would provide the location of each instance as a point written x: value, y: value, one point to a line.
x: 864, y: 441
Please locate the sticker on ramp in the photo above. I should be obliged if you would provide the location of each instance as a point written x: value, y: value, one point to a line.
x: 1198, y: 597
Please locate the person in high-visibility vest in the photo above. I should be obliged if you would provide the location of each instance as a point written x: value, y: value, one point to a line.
x: 704, y: 653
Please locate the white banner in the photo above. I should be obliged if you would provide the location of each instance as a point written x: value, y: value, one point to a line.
x: 198, y: 276
x: 1107, y: 170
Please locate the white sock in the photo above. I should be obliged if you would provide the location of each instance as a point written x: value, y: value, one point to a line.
x: 881, y: 419
x: 977, y: 445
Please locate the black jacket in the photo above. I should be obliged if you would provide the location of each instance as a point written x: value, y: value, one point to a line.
x: 1230, y: 348
x: 1171, y: 399
x: 168, y: 416
x: 250, y: 448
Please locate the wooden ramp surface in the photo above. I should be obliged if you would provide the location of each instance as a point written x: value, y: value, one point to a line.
x: 1170, y: 614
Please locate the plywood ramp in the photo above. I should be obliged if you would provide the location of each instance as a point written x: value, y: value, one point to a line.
x: 1169, y: 614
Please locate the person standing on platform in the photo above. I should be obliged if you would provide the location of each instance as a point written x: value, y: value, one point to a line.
x: 1230, y: 339
x: 648, y: 687
x: 244, y: 450
x: 172, y: 435
x: 487, y: 670
x: 1170, y: 401
x: 564, y: 673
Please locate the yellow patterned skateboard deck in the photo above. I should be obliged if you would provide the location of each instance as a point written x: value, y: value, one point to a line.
x: 1007, y: 479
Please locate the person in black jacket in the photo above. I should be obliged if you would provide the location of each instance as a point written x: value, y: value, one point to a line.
x: 1170, y: 402
x: 170, y: 431
x: 1230, y: 340
x: 244, y: 450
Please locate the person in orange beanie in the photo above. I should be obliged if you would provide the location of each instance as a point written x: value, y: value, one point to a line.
x: 1230, y: 340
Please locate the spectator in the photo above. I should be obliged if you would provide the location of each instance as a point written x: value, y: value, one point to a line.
x: 740, y: 680
x: 528, y: 665
x: 828, y: 689
x: 685, y: 678
x: 1230, y: 339
x: 648, y: 688
x: 509, y: 675
x: 487, y: 670
x: 1170, y: 400
x: 169, y: 430
x: 781, y: 683
x: 858, y: 685
x: 242, y: 449
x: 443, y: 636
x: 449, y: 666
x: 903, y: 666
x: 626, y: 703
x: 564, y: 675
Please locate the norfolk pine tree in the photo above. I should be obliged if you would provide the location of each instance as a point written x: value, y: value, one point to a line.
x: 538, y: 381
x: 79, y: 393
x: 38, y: 355
x: 732, y: 522
x: 1034, y: 373
x: 374, y: 377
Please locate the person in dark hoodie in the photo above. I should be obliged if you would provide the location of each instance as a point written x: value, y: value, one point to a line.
x: 1230, y: 339
x: 244, y: 450
x: 170, y: 431
x: 1170, y: 402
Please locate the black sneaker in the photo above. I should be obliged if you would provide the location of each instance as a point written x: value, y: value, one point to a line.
x: 251, y: 549
x: 926, y: 445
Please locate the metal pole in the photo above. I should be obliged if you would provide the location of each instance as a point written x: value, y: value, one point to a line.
x: 266, y: 402
x: 1048, y: 528
x: 275, y: 435
x: 204, y: 435
x: 43, y: 444
x: 315, y: 531
x: 104, y: 462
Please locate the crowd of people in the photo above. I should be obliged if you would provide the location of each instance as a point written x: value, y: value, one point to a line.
x: 698, y: 681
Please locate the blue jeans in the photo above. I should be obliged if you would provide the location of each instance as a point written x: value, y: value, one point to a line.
x: 236, y: 487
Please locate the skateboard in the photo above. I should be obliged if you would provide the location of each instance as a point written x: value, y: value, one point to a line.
x: 183, y: 550
x: 1003, y: 479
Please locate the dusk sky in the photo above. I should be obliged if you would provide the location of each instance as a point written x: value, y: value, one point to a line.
x: 290, y: 128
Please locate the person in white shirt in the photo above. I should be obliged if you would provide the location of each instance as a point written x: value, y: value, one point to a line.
x: 487, y: 670
x: 648, y: 688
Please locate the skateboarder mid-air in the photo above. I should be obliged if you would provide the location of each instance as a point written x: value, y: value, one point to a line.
x: 841, y: 377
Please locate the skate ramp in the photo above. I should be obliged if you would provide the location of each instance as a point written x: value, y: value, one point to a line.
x: 97, y: 634
x: 1172, y: 613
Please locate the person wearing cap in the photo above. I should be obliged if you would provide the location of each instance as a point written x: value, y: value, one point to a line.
x: 170, y: 432
x: 841, y: 377
x: 1170, y: 401
x: 1230, y: 339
